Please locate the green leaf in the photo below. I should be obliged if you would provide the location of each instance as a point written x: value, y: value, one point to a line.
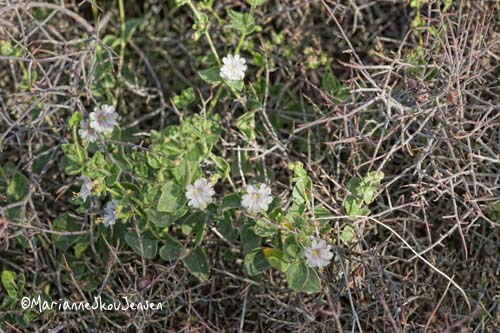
x: 114, y: 175
x: 291, y: 247
x: 333, y: 86
x: 322, y: 218
x: 71, y: 168
x: 194, y: 223
x: 6, y: 48
x: 153, y: 160
x: 109, y: 40
x: 258, y: 59
x: 172, y: 198
x: 75, y: 119
x: 242, y: 21
x: 65, y: 223
x: 201, y: 24
x: 172, y: 250
x: 185, y: 98
x: 246, y: 124
x: 236, y: 85
x: 197, y: 264
x: 28, y: 317
x: 353, y: 208
x: 255, y: 262
x: 196, y: 152
x: 18, y: 188
x: 418, y: 3
x: 313, y: 283
x: 91, y: 284
x: 362, y: 191
x: 256, y: 2
x: 8, y: 281
x: 374, y: 177
x: 297, y: 275
x: 249, y: 240
x: 44, y: 155
x: 183, y: 172
x: 493, y: 211
x: 80, y: 248
x: 160, y: 219
x: 227, y: 230
x: 447, y: 5
x: 276, y: 258
x: 121, y: 156
x: 211, y: 75
x: 368, y: 194
x: 300, y: 192
x: 200, y: 229
x: 99, y: 161
x: 74, y: 152
x: 353, y: 185
x: 104, y: 80
x: 130, y: 26
x: 223, y: 167
x: 264, y: 229
x: 229, y: 256
x: 348, y: 233
x: 142, y: 246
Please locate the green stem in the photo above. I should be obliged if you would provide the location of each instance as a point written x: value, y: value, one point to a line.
x: 95, y: 13
x: 215, y: 100
x: 121, y: 59
x: 207, y: 35
x: 240, y: 43
x: 212, y: 47
x: 218, y: 94
x: 113, y: 192
x: 243, y: 36
x: 234, y: 92
x: 231, y: 183
x: 252, y: 9
x: 120, y: 186
x: 121, y: 8
x: 75, y: 139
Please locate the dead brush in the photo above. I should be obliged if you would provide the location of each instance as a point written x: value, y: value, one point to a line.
x: 417, y: 100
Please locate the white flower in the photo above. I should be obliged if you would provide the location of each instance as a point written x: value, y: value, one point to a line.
x: 87, y: 132
x: 257, y: 199
x: 110, y: 213
x: 86, y: 189
x: 318, y: 254
x: 200, y: 193
x: 103, y: 119
x: 234, y: 68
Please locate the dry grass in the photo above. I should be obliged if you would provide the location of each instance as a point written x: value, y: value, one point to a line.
x: 424, y: 109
